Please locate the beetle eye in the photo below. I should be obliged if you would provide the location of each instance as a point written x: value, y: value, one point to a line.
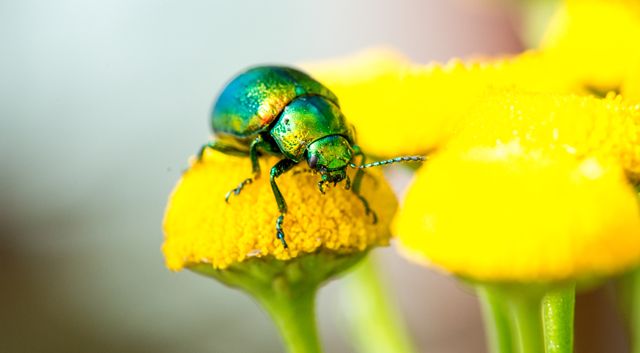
x: 313, y: 161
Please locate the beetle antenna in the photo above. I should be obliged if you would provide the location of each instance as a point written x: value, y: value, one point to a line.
x: 390, y: 161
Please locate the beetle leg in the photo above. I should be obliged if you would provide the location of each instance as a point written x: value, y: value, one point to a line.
x: 237, y: 190
x: 321, y: 186
x: 253, y: 155
x: 368, y: 210
x: 347, y: 183
x: 357, y: 180
x: 280, y: 168
x: 359, y: 172
x: 300, y: 171
x: 220, y: 147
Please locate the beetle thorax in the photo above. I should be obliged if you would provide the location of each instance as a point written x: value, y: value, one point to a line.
x: 304, y: 121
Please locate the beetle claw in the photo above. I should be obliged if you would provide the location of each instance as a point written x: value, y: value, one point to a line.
x: 280, y: 232
x: 368, y: 210
x: 238, y: 189
x: 374, y: 217
x: 321, y: 184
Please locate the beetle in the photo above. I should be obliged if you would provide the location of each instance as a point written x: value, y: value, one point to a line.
x: 284, y: 112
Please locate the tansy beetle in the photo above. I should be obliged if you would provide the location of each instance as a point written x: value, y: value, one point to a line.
x: 284, y: 112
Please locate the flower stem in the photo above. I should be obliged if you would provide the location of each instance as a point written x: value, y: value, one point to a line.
x: 628, y: 292
x: 287, y: 290
x: 635, y: 313
x: 374, y: 320
x: 295, y: 318
x: 496, y: 320
x: 557, y: 317
x: 528, y: 318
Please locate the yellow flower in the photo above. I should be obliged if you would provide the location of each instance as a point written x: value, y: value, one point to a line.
x: 631, y: 85
x: 533, y: 188
x: 595, y: 40
x: 200, y: 228
x: 551, y: 124
x: 403, y: 108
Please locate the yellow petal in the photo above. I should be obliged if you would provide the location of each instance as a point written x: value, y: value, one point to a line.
x: 631, y: 85
x: 532, y: 188
x: 201, y: 228
x: 595, y: 40
x: 404, y: 108
x: 538, y: 123
x: 521, y: 218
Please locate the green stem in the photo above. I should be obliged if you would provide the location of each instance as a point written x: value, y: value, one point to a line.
x: 628, y: 293
x: 635, y: 313
x: 295, y: 318
x: 286, y: 289
x: 374, y: 320
x: 557, y: 317
x: 528, y: 318
x: 496, y: 320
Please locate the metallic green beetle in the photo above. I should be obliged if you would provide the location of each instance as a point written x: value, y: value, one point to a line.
x: 284, y: 112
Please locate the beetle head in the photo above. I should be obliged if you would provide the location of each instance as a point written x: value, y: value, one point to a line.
x: 330, y: 156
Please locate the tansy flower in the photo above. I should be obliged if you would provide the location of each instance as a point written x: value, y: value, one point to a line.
x: 201, y: 228
x: 596, y: 41
x: 542, y: 188
x: 399, y: 107
x: 236, y: 242
x: 630, y: 90
x: 531, y: 197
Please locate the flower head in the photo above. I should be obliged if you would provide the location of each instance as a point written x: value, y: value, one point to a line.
x: 596, y: 41
x: 403, y: 108
x: 533, y: 188
x: 631, y: 85
x: 200, y: 228
x: 555, y: 125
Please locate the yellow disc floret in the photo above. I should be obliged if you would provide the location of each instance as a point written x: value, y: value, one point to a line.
x: 495, y: 217
x: 201, y: 228
x: 631, y: 85
x: 579, y: 126
x: 403, y: 108
x: 533, y: 187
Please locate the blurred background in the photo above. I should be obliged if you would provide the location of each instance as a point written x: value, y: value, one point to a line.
x: 102, y: 103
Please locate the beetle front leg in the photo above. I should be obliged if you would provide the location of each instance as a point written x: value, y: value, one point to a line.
x: 280, y: 168
x: 357, y: 181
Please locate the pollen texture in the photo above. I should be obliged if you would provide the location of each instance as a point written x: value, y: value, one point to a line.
x: 200, y: 228
x: 555, y: 125
x: 399, y: 107
x: 534, y: 187
x: 521, y: 218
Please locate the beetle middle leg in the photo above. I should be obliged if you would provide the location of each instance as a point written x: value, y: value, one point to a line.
x: 238, y: 189
x: 255, y: 167
x: 280, y: 168
x: 357, y: 181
